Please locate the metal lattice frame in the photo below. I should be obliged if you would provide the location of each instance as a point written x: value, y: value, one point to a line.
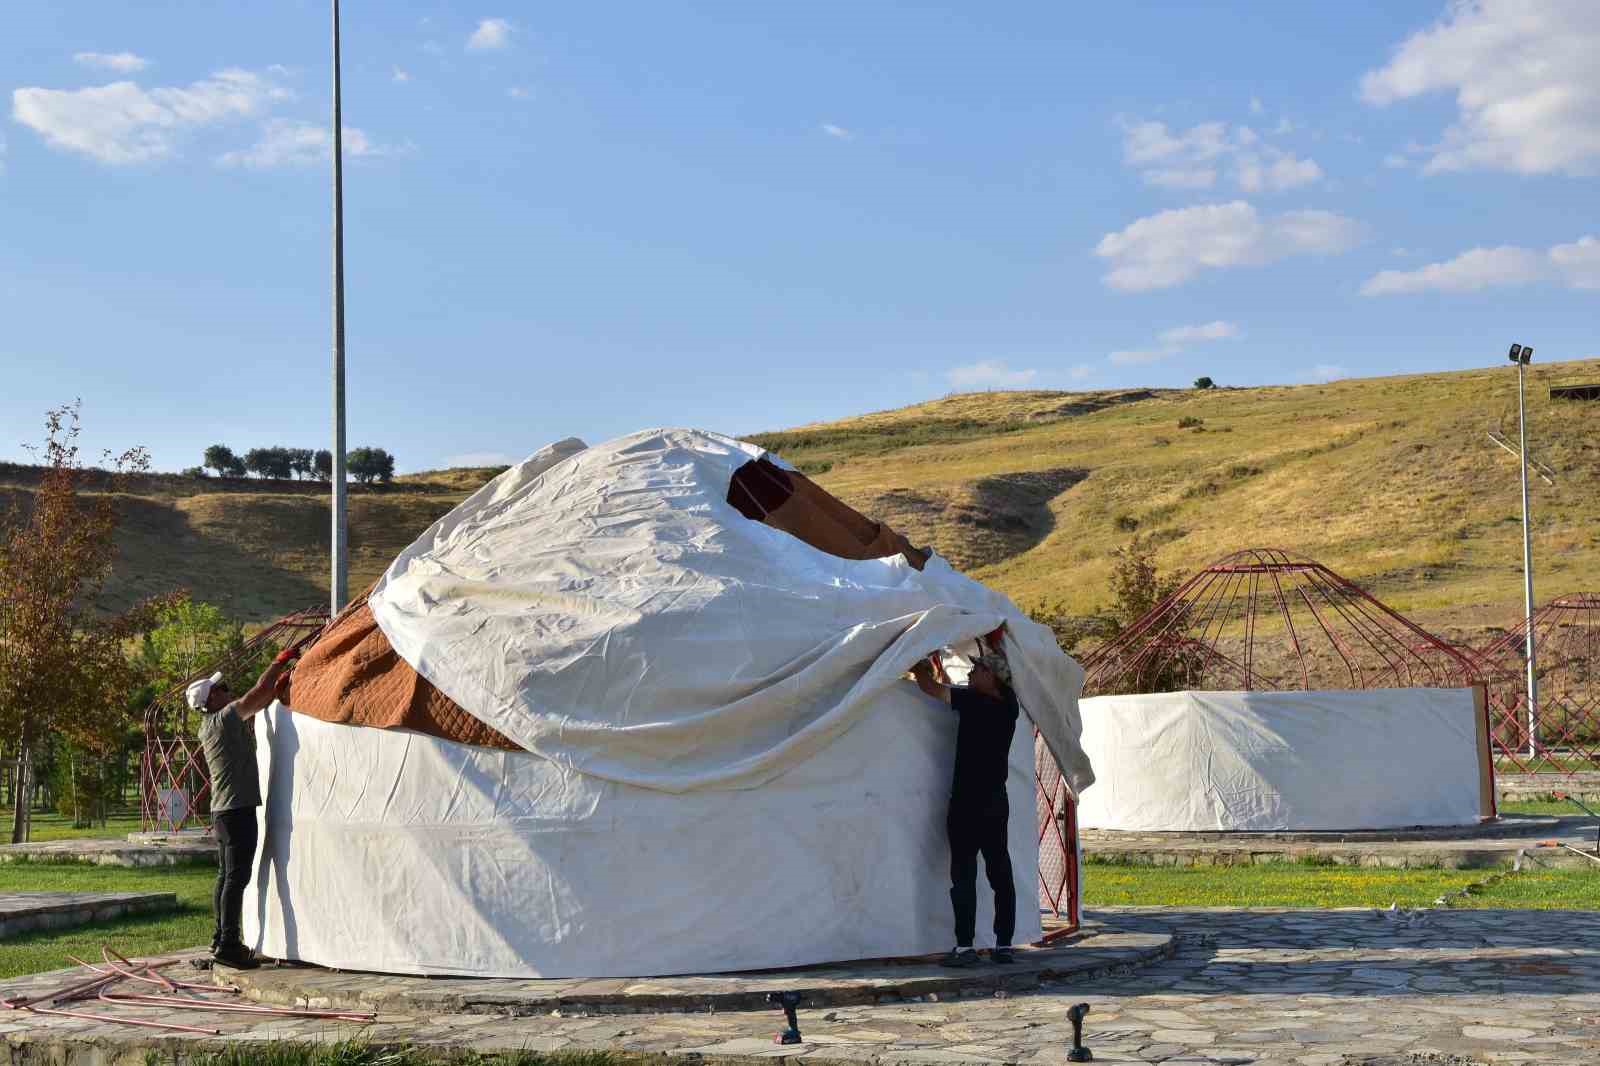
x: 174, y: 782
x: 1565, y: 735
x: 1265, y: 620
x: 1057, y: 817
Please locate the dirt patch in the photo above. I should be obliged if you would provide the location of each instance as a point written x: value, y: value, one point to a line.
x: 979, y: 522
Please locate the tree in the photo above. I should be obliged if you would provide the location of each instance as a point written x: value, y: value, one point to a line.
x: 322, y: 464
x: 300, y: 462
x: 367, y: 465
x: 1204, y: 383
x: 194, y: 471
x: 63, y: 671
x: 220, y: 458
x: 268, y: 462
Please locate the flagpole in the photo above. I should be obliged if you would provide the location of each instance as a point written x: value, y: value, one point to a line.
x: 339, y: 582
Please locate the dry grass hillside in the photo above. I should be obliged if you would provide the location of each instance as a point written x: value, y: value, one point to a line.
x: 1391, y: 481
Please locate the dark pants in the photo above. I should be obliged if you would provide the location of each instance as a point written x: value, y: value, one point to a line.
x: 978, y: 827
x: 236, y: 852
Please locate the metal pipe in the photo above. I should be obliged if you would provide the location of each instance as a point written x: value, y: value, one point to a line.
x: 1527, y: 567
x: 339, y: 544
x: 235, y: 1008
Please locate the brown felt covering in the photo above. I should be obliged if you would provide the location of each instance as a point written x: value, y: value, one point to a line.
x: 352, y: 675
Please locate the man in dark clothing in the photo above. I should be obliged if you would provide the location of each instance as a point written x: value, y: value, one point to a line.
x: 979, y: 810
x: 225, y: 738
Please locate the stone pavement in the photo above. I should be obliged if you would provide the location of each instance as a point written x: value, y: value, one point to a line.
x: 159, y: 850
x: 1270, y: 988
x: 1095, y: 953
x: 22, y: 912
x: 1584, y: 784
x: 1493, y: 844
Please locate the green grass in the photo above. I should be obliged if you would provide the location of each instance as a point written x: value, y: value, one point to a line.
x: 1272, y: 885
x: 186, y: 927
x: 1545, y: 807
x: 52, y: 826
x: 1576, y: 889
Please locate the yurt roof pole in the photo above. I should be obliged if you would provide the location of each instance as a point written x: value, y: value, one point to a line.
x: 338, y: 584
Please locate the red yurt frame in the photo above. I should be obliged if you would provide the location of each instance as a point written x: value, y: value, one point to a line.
x: 174, y: 782
x: 1564, y: 735
x: 1264, y: 619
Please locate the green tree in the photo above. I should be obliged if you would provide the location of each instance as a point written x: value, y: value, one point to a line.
x: 220, y: 458
x: 322, y: 464
x: 301, y: 462
x: 64, y: 674
x: 367, y: 465
x: 1204, y: 383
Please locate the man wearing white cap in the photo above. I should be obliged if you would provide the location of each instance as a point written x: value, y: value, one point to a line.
x: 225, y: 738
x: 979, y: 808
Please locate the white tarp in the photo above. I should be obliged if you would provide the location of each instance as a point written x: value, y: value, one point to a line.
x: 1185, y: 761
x: 715, y: 721
x: 391, y: 851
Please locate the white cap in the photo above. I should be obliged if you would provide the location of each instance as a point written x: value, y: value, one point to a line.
x: 198, y: 691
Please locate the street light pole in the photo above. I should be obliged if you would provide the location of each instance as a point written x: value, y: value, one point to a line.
x: 1522, y: 356
x: 339, y: 581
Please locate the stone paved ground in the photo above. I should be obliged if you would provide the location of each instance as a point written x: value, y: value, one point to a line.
x: 22, y: 912
x: 1270, y: 988
x: 109, y: 851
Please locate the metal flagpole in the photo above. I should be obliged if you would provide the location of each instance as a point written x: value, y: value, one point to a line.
x: 1522, y: 358
x: 339, y: 582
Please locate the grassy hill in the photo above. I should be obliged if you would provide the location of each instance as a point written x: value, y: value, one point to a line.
x: 1391, y: 481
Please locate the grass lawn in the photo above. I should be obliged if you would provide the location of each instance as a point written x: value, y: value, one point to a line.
x: 1546, y: 807
x: 53, y: 826
x: 1296, y: 885
x: 186, y: 927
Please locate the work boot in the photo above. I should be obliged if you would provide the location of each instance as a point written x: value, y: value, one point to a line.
x: 236, y: 955
x: 1003, y: 955
x: 960, y: 958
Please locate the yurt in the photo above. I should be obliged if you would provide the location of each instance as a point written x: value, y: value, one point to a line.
x: 1268, y: 693
x: 638, y: 709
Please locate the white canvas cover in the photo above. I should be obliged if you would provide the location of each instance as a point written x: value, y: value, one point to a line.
x: 713, y: 717
x: 1374, y: 759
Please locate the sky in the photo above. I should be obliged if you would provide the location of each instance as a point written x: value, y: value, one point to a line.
x: 586, y: 219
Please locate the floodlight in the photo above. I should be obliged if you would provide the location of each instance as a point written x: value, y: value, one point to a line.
x: 1516, y: 353
x: 1527, y: 356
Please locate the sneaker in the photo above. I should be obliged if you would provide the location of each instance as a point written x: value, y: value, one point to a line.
x: 960, y: 958
x: 1003, y: 956
x: 235, y: 955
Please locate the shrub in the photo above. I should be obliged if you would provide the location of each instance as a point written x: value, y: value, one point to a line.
x: 1127, y: 523
x: 1204, y: 383
x: 1190, y: 422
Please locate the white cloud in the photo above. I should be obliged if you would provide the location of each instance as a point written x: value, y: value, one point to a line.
x: 988, y: 373
x: 836, y: 131
x: 1526, y: 84
x: 401, y: 75
x: 1328, y: 372
x: 1173, y: 341
x: 121, y: 62
x: 491, y: 34
x: 294, y: 143
x: 1171, y: 247
x: 122, y: 123
x: 1211, y: 331
x: 1276, y: 172
x: 1575, y: 265
x: 519, y: 92
x: 1193, y: 158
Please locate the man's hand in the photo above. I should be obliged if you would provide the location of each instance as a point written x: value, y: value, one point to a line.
x: 927, y: 673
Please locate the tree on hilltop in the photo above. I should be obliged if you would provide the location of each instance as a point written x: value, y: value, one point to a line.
x: 220, y: 458
x: 1204, y: 383
x: 322, y: 464
x: 367, y: 465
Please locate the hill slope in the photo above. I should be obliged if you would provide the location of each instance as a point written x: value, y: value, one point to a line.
x: 1390, y: 481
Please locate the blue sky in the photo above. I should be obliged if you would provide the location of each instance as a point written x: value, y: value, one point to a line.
x: 584, y: 219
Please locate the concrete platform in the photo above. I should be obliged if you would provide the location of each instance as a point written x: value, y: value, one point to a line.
x: 162, y: 850
x: 1584, y: 785
x: 1491, y: 844
x: 1098, y: 951
x: 24, y: 912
